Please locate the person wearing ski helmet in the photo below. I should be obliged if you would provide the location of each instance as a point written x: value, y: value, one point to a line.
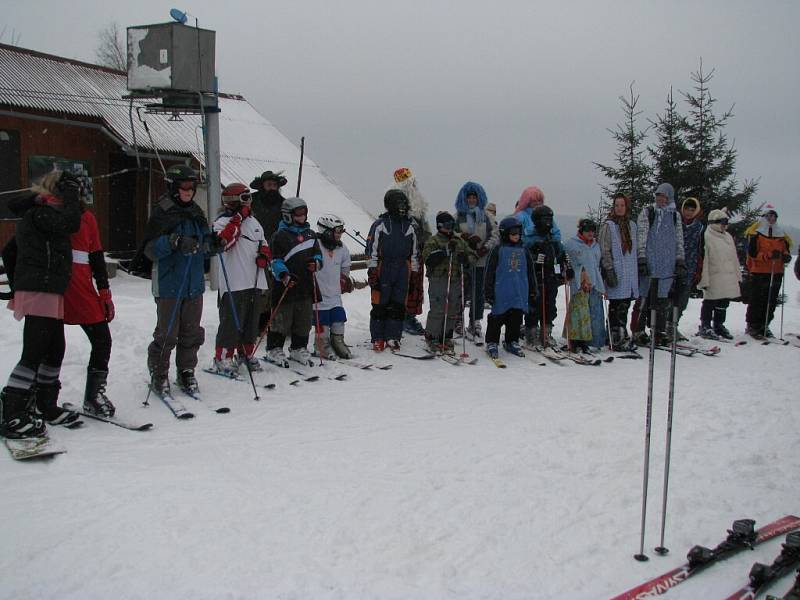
x: 509, y: 287
x: 477, y: 229
x: 392, y: 258
x: 552, y: 266
x: 584, y: 324
x: 177, y: 240
x: 333, y: 280
x: 406, y: 182
x: 244, y: 287
x: 661, y: 262
x: 446, y: 257
x: 296, y: 259
x: 38, y: 276
x: 619, y: 267
x: 720, y: 276
x: 767, y: 256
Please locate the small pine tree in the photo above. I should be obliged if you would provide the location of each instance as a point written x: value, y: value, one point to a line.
x: 670, y: 154
x: 631, y: 174
x: 710, y: 172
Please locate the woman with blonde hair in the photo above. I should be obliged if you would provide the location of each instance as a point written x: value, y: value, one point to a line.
x: 39, y: 276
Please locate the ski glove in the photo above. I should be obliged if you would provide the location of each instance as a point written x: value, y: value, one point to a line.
x: 107, y: 304
x: 680, y: 272
x: 345, y: 283
x: 244, y: 211
x: 540, y: 259
x: 473, y: 240
x: 569, y: 273
x: 263, y: 257
x: 452, y: 244
x: 373, y: 278
x: 787, y: 258
x: 288, y: 280
x: 188, y: 244
x: 643, y: 270
x: 611, y: 278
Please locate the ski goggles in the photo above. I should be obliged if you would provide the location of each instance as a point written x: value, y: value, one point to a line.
x: 244, y: 198
x: 719, y: 222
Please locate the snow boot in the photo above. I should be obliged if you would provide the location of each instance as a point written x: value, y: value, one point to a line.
x: 339, y: 347
x: 411, y: 325
x: 302, y: 356
x: 47, y: 405
x: 276, y: 356
x: 513, y: 348
x: 188, y: 382
x: 491, y: 350
x: 324, y: 347
x: 95, y: 400
x: 16, y: 420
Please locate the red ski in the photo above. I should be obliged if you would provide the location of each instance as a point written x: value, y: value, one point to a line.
x: 700, y: 558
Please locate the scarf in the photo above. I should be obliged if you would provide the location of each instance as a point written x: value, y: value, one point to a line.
x: 624, y: 225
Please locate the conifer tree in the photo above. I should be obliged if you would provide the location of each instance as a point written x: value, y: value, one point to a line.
x: 670, y: 154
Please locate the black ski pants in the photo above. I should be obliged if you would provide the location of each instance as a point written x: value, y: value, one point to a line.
x: 512, y: 319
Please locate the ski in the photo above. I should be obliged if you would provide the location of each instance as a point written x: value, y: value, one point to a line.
x: 498, y: 363
x: 762, y: 576
x: 740, y: 537
x: 680, y: 351
x: 791, y: 594
x: 711, y: 351
x: 221, y: 374
x: 303, y: 375
x: 33, y: 447
x: 210, y: 404
x: 173, y: 404
x: 112, y: 420
x: 361, y: 365
x: 548, y: 352
x: 426, y: 356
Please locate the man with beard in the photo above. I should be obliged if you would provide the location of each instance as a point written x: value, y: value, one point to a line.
x: 418, y: 207
x: 267, y: 200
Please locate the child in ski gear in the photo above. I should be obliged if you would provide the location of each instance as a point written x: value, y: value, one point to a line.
x: 767, y: 254
x: 296, y: 257
x: 478, y: 231
x: 445, y: 255
x: 584, y: 326
x: 92, y: 309
x: 720, y: 276
x: 246, y: 256
x: 509, y: 287
x: 266, y: 208
x: 693, y: 228
x: 393, y: 256
x: 551, y: 267
x: 660, y: 260
x: 177, y: 240
x: 39, y: 277
x: 406, y: 182
x: 619, y: 266
x: 333, y: 280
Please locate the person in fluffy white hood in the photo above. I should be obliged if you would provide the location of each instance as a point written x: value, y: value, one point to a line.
x: 720, y: 277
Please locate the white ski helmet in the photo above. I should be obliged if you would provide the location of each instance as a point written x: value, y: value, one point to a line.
x: 329, y: 222
x: 289, y: 206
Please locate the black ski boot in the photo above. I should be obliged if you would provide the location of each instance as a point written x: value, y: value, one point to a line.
x: 95, y: 400
x: 412, y: 326
x: 16, y: 419
x: 47, y: 405
x: 188, y: 382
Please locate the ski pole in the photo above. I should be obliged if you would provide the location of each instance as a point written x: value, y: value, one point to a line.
x: 317, y: 328
x: 447, y: 302
x: 271, y: 318
x: 783, y: 298
x: 464, y: 332
x: 171, y: 322
x: 543, y: 320
x: 473, y: 305
x: 567, y: 314
x: 238, y: 324
x: 356, y: 239
x: 661, y: 549
x: 361, y: 239
x: 769, y: 295
x: 607, y: 319
x: 300, y: 169
x: 653, y: 297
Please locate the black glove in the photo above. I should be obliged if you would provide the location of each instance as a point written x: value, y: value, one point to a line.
x: 680, y: 272
x: 452, y: 244
x: 569, y: 273
x: 643, y: 270
x: 611, y: 277
x: 373, y: 278
x: 215, y: 244
x: 776, y: 254
x: 68, y: 186
x: 188, y: 244
x: 787, y: 258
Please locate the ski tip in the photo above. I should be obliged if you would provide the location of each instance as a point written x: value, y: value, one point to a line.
x: 185, y: 416
x: 641, y: 557
x: 269, y: 386
x: 222, y: 410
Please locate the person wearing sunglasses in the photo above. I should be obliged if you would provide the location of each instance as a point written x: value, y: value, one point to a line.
x: 720, y: 276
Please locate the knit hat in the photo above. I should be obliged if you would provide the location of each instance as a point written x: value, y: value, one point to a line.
x: 402, y: 174
x: 531, y: 197
x: 443, y: 217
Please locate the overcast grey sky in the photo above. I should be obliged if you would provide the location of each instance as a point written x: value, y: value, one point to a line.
x: 509, y: 94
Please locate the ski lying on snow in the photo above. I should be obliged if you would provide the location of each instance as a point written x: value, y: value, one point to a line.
x: 173, y: 404
x: 112, y: 420
x: 422, y: 355
x: 269, y: 386
x: 762, y: 576
x: 740, y: 537
x: 680, y: 351
x: 210, y: 404
x: 33, y: 447
x: 791, y: 594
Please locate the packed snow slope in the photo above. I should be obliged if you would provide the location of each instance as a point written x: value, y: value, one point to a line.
x: 425, y: 481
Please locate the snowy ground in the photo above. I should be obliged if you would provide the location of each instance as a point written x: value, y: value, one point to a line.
x: 426, y: 481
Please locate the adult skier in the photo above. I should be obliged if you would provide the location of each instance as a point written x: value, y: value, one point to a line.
x: 393, y: 257
x: 720, y: 276
x: 693, y: 228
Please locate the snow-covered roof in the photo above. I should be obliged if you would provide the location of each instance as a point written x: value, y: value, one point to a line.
x: 249, y: 143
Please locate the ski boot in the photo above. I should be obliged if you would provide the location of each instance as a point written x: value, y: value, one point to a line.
x: 723, y: 332
x: 251, y: 361
x: 412, y: 326
x: 276, y: 356
x: 640, y: 338
x: 707, y: 332
x: 513, y: 348
x: 448, y: 347
x: 378, y: 346
x: 302, y: 356
x: 188, y: 382
x: 550, y: 341
x: 16, y: 420
x: 226, y: 366
x: 339, y: 347
x: 475, y: 330
x: 95, y: 401
x: 159, y: 383
x: 393, y: 344
x: 491, y: 350
x: 46, y: 404
x: 532, y: 336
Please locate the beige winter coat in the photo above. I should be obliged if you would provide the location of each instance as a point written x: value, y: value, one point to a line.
x: 721, y: 273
